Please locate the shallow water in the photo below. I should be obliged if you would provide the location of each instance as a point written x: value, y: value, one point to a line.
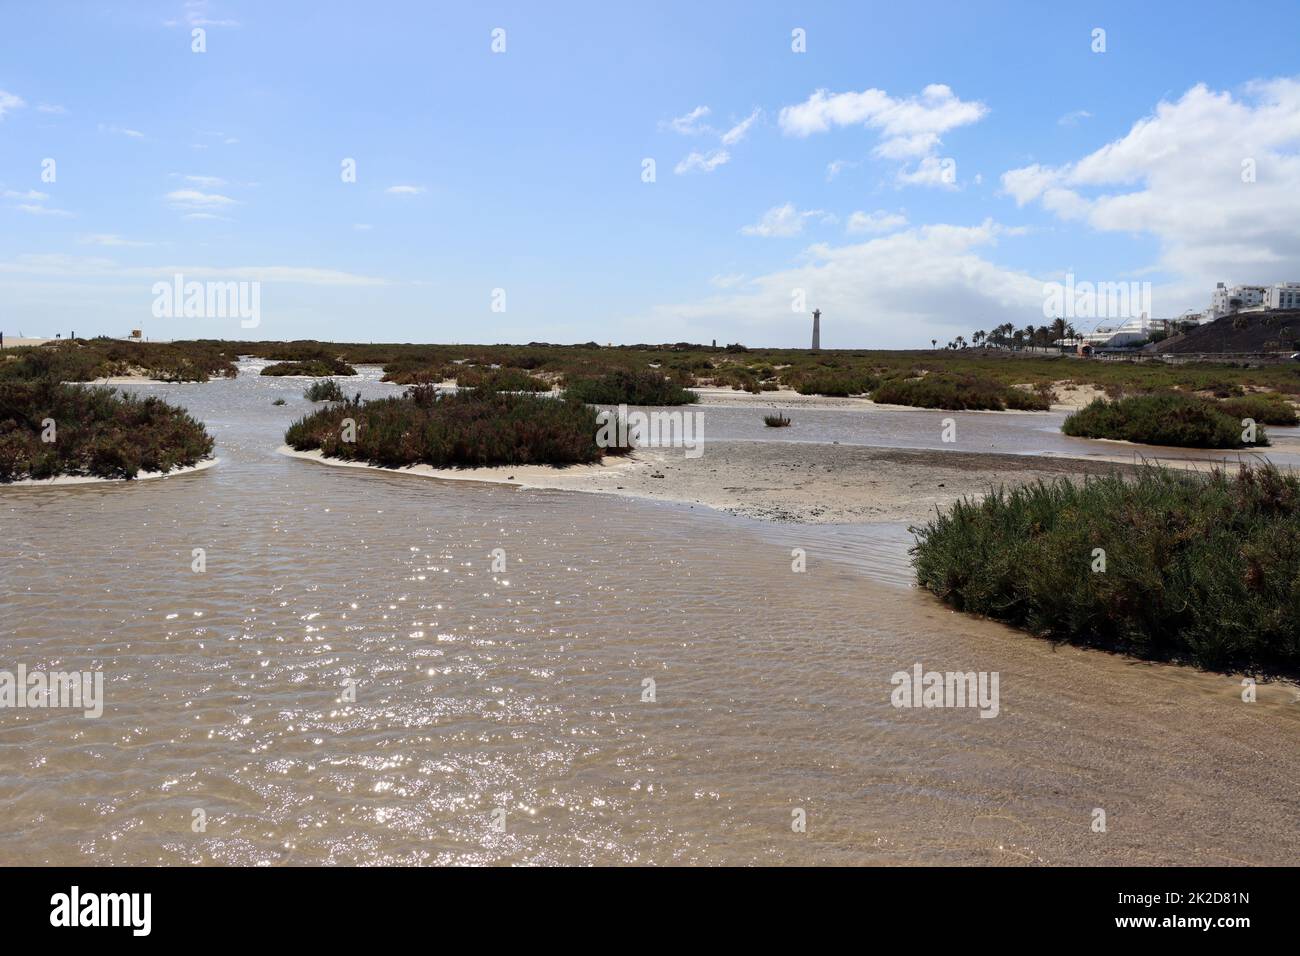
x: 522, y: 690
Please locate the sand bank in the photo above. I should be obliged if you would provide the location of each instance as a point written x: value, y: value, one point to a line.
x: 90, y: 480
x: 780, y: 481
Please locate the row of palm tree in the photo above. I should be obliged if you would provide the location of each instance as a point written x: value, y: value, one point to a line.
x: 1007, y: 336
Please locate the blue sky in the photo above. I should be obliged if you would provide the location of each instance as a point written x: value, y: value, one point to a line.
x: 522, y: 170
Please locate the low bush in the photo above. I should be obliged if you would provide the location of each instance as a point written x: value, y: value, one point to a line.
x: 776, y: 421
x: 1199, y: 568
x: 626, y: 387
x: 500, y: 379
x: 323, y: 390
x: 463, y: 429
x: 831, y: 382
x: 96, y: 432
x: 1270, y: 409
x: 958, y: 392
x: 1161, y: 418
x: 317, y: 368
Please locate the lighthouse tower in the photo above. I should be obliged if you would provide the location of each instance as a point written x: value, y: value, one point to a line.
x: 817, y: 329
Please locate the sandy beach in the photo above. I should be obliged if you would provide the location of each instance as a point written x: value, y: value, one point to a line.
x: 779, y: 481
x: 91, y: 480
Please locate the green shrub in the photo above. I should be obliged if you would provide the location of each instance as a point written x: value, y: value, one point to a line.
x: 317, y: 368
x: 626, y: 387
x: 831, y: 382
x: 463, y: 429
x: 83, y: 360
x: 1160, y: 418
x: 500, y: 379
x: 776, y: 421
x: 957, y: 392
x: 323, y: 390
x: 1198, y: 568
x: 1269, y: 409
x: 97, y: 433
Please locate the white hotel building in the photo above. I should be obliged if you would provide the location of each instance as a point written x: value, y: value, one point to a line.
x: 1255, y: 298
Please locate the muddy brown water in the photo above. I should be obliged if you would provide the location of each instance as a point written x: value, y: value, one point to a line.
x: 522, y: 691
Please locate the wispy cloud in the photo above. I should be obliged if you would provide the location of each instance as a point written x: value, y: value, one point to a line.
x: 1074, y: 119
x: 782, y: 222
x: 93, y: 267
x: 877, y: 222
x: 9, y: 102
x: 698, y: 162
x: 690, y: 124
x: 34, y: 210
x: 121, y: 131
x: 52, y: 108
x: 196, y: 15
x: 734, y: 135
x: 111, y: 239
x: 403, y: 189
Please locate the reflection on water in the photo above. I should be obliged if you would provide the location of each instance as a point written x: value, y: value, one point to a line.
x: 229, y: 691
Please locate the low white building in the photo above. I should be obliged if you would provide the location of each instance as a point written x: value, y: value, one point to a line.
x: 1226, y: 299
x: 1118, y: 336
x: 1284, y: 295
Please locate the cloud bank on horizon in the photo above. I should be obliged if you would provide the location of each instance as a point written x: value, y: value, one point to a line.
x: 922, y: 191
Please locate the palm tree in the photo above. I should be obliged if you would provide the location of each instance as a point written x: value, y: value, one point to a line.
x: 978, y: 337
x: 934, y: 343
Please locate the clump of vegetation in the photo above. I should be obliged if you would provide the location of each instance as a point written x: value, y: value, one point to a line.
x: 1161, y: 418
x: 1270, y: 409
x: 500, y: 379
x: 323, y: 390
x: 317, y: 368
x: 1204, y: 569
x: 472, y: 428
x: 622, y: 387
x: 834, y: 382
x: 84, y: 360
x: 278, y: 401
x: 739, y: 377
x: 49, y: 429
x: 776, y: 421
x: 958, y: 392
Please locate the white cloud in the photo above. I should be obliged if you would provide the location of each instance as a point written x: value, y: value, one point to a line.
x: 404, y: 190
x: 8, y: 102
x: 121, y: 131
x: 1180, y: 175
x: 878, y: 221
x: 898, y: 290
x: 362, y: 226
x: 690, y: 124
x: 698, y: 162
x: 111, y: 239
x: 92, y: 267
x: 196, y: 15
x: 734, y: 135
x: 52, y: 108
x: 35, y: 210
x: 727, y: 280
x: 837, y: 166
x: 781, y: 222
x: 197, y: 199
x: 909, y: 127
x: 930, y: 171
x: 30, y: 194
x: 1074, y: 118
x: 205, y: 182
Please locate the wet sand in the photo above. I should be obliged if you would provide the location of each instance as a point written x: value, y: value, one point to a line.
x: 776, y: 481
